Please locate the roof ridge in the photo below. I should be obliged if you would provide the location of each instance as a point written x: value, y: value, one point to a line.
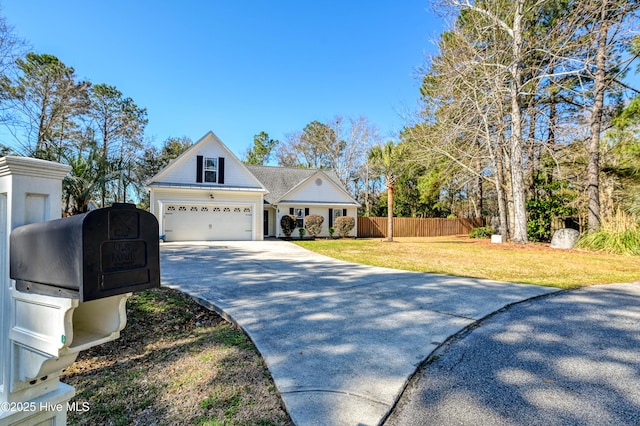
x: 287, y: 167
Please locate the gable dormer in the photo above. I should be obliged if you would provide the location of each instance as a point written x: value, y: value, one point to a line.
x: 207, y: 163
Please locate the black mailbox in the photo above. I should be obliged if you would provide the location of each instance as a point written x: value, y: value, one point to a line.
x: 102, y: 253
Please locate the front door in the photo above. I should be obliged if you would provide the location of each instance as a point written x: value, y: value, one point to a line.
x: 265, y: 223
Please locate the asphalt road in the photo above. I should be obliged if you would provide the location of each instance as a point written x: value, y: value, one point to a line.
x: 568, y: 358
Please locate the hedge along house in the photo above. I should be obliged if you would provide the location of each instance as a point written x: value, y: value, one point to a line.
x: 208, y: 194
x: 301, y: 192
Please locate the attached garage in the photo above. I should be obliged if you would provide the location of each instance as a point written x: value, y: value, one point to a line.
x: 208, y: 222
x: 208, y: 194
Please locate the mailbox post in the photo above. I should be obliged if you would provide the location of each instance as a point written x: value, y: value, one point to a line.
x: 70, y: 279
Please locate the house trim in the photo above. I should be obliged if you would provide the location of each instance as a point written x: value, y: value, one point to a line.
x: 212, y: 188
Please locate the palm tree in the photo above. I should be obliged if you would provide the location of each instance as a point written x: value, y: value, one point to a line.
x: 84, y: 181
x: 388, y: 160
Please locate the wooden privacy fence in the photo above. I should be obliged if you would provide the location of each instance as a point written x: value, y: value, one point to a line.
x: 374, y: 227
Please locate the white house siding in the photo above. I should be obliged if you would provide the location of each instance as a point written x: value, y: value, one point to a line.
x: 318, y: 194
x: 219, y: 227
x: 318, y: 189
x: 183, y: 171
x: 283, y: 209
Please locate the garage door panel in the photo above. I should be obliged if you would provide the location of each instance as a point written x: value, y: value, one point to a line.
x: 184, y: 222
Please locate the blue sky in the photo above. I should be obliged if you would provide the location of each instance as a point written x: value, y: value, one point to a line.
x: 241, y: 67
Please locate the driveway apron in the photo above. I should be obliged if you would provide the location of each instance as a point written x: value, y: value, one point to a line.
x: 341, y: 340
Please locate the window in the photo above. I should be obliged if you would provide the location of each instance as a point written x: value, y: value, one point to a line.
x: 336, y: 213
x: 211, y: 170
x: 299, y: 214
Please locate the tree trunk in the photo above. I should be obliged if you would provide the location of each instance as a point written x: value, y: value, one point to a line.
x: 105, y: 147
x: 515, y: 146
x: 496, y: 157
x: 41, y: 142
x: 531, y: 147
x: 508, y: 192
x: 390, y: 189
x: 367, y: 204
x: 553, y: 118
x: 593, y: 168
x: 479, y: 195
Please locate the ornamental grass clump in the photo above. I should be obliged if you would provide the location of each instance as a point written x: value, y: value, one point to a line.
x: 619, y: 234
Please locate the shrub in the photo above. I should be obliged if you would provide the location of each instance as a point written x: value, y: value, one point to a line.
x: 302, y: 231
x: 481, y: 232
x: 288, y: 223
x: 550, y: 200
x: 332, y: 230
x: 314, y: 224
x: 344, y: 225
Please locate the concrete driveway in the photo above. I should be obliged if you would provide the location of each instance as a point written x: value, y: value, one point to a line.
x: 341, y: 340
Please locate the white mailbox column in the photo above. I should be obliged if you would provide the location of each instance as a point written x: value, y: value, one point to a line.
x: 30, y: 191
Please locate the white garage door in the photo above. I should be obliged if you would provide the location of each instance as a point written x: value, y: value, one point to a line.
x: 186, y: 222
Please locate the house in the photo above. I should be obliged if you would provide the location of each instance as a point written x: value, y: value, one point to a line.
x: 302, y: 192
x: 208, y: 194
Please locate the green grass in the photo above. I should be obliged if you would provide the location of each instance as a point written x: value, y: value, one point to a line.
x: 462, y: 256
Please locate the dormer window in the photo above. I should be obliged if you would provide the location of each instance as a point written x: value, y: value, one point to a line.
x: 211, y: 170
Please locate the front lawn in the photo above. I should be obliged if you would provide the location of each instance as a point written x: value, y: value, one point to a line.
x: 463, y: 256
x: 175, y: 363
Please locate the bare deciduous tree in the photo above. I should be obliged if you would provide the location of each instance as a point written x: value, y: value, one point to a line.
x: 607, y: 24
x: 341, y: 144
x: 503, y: 72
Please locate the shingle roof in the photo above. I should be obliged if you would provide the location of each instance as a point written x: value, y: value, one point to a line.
x: 280, y: 180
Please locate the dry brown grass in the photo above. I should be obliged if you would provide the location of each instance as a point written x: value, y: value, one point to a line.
x: 175, y: 363
x: 479, y: 258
